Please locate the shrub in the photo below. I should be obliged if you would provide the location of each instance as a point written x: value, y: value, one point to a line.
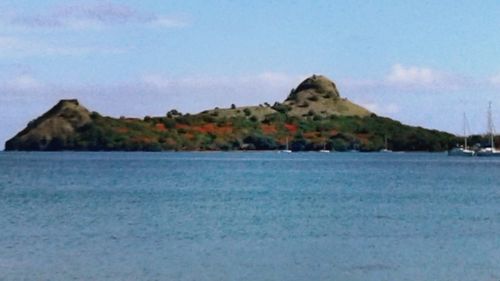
x: 313, y: 98
x: 304, y: 104
x: 247, y: 112
x: 282, y: 108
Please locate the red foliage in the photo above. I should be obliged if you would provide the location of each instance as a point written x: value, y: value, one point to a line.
x: 160, y: 127
x: 206, y: 128
x: 292, y: 128
x: 213, y: 129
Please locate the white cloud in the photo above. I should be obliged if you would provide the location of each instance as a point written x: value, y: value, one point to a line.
x: 94, y: 15
x: 426, y: 78
x: 401, y: 78
x: 13, y: 46
x: 413, y: 75
x: 23, y: 82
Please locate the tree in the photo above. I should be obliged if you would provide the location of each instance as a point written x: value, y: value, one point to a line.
x: 247, y: 112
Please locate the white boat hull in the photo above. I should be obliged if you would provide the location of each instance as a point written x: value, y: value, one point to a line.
x: 461, y: 152
x: 488, y: 153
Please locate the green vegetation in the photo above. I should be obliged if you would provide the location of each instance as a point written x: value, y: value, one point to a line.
x: 312, y: 117
x: 206, y: 132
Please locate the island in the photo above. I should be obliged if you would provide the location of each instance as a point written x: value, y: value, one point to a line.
x: 313, y: 117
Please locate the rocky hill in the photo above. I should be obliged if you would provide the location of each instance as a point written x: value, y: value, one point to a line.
x: 319, y: 95
x: 52, y: 129
x: 313, y: 116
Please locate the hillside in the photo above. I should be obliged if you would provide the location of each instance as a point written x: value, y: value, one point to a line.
x: 314, y: 115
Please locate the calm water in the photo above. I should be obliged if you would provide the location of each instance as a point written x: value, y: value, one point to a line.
x: 248, y: 216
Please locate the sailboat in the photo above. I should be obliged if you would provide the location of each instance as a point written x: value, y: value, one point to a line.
x: 490, y: 151
x: 324, y: 150
x: 286, y: 150
x: 386, y: 147
x: 462, y: 151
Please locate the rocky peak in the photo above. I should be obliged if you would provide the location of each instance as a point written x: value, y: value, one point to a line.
x: 318, y: 95
x: 314, y: 86
x: 58, y: 124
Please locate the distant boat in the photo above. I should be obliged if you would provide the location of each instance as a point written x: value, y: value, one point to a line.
x: 324, y: 150
x: 286, y: 150
x: 386, y: 147
x: 462, y: 151
x: 490, y: 151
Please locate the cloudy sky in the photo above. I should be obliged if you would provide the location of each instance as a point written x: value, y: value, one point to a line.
x: 421, y: 62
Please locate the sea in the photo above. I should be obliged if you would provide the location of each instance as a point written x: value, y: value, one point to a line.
x: 248, y: 216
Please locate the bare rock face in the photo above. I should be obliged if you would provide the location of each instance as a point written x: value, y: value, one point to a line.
x: 316, y: 85
x: 318, y: 95
x: 53, y: 129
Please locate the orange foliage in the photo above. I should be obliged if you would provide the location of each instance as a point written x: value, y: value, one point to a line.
x: 268, y: 129
x: 224, y: 130
x: 160, y: 127
x: 206, y: 128
x: 213, y: 129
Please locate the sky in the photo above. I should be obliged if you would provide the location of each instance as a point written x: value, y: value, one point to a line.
x: 423, y: 62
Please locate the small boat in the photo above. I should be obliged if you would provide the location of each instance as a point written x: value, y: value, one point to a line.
x: 386, y: 147
x: 462, y: 151
x: 286, y: 150
x: 490, y: 151
x: 324, y: 150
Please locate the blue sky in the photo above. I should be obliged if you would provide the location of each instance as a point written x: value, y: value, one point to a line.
x: 421, y: 62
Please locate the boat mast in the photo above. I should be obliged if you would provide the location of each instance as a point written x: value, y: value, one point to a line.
x: 465, y: 131
x: 286, y: 143
x: 490, y: 127
x: 386, y: 143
